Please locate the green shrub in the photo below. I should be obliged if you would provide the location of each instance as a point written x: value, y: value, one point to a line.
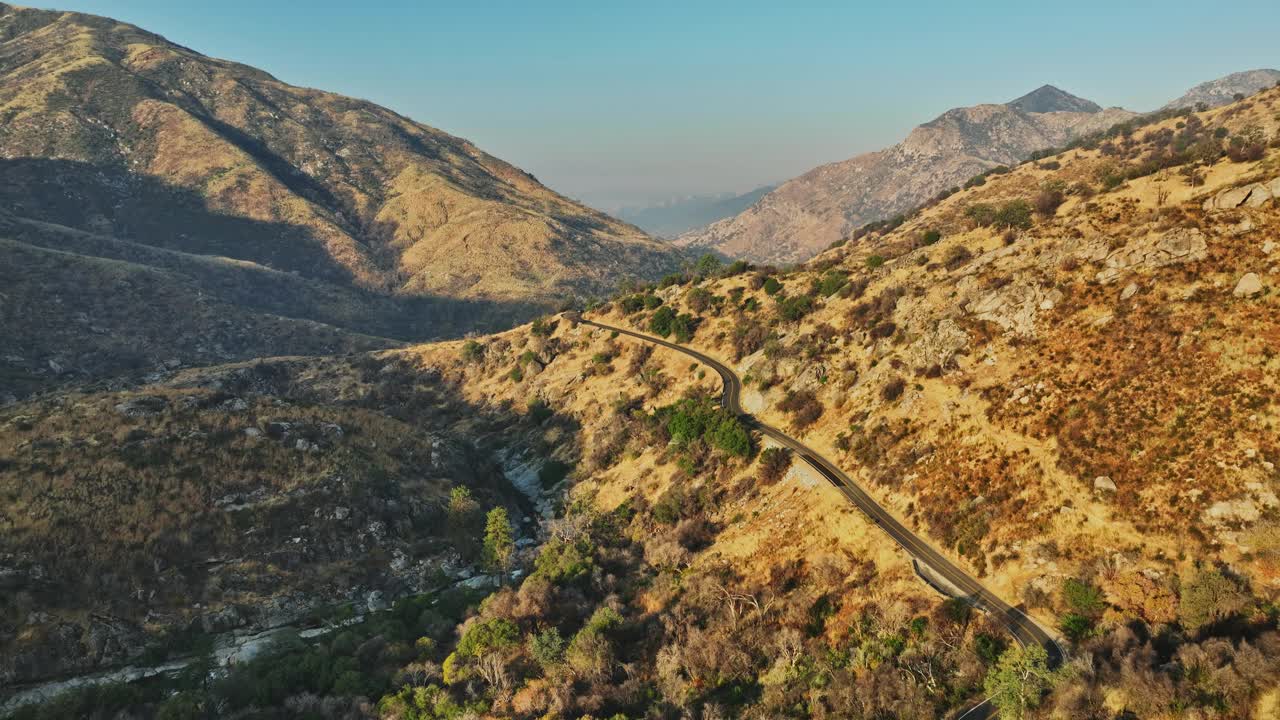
x: 875, y: 261
x: 472, y: 351
x: 774, y: 463
x: 794, y: 308
x: 632, y: 304
x: 1014, y: 214
x: 660, y: 323
x: 981, y: 214
x: 930, y: 237
x: 542, y: 327
x: 831, y: 282
x: 772, y: 286
x: 699, y: 299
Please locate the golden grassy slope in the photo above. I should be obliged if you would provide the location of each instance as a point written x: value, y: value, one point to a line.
x: 325, y: 185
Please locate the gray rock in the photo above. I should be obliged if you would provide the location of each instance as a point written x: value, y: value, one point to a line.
x: 142, y: 406
x: 1248, y: 286
x: 1103, y: 483
x: 1129, y: 291
x: 375, y: 602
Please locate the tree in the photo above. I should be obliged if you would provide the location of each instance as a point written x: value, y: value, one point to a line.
x: 774, y: 463
x: 1209, y: 596
x: 462, y: 515
x: 499, y: 543
x: 707, y: 265
x: 662, y: 321
x: 1015, y: 214
x: 699, y: 299
x: 547, y: 648
x: 1017, y: 683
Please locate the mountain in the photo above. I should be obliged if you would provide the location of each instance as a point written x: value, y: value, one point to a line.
x: 679, y: 215
x: 1225, y: 89
x: 1048, y: 98
x: 112, y: 131
x: 1063, y: 380
x: 804, y: 215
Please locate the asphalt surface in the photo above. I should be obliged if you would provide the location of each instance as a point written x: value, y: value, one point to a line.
x: 1017, y: 623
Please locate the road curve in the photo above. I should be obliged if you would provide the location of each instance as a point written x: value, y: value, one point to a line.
x: 1017, y: 623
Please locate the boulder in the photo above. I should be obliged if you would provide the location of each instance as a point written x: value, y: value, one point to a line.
x: 1178, y: 245
x: 1103, y: 483
x: 1252, y: 195
x: 1258, y: 196
x: 1248, y: 286
x: 1129, y: 291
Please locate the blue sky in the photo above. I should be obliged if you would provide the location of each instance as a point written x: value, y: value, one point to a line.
x: 615, y: 102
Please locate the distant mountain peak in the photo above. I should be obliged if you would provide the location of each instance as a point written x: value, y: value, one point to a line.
x: 1048, y: 98
x: 1224, y: 89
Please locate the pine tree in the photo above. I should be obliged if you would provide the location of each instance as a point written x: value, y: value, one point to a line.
x: 499, y: 543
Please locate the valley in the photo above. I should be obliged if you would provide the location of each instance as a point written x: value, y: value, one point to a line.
x: 309, y: 410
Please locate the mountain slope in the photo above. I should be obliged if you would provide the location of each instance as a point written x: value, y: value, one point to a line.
x: 1225, y: 89
x: 109, y: 128
x: 809, y: 213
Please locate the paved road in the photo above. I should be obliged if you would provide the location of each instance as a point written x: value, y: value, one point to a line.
x: 1019, y: 625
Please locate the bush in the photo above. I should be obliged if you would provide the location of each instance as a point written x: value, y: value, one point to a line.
x: 699, y: 299
x: 1083, y: 598
x: 831, y: 282
x: 803, y: 406
x: 660, y: 323
x: 930, y: 237
x: 1048, y: 202
x: 981, y: 214
x: 632, y: 304
x: 772, y: 286
x: 875, y: 261
x: 1209, y: 596
x: 774, y: 463
x: 957, y: 256
x: 472, y: 351
x: 893, y: 389
x: 542, y: 327
x: 794, y: 308
x: 1014, y: 214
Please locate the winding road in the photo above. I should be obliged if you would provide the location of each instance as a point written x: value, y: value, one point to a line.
x: 1017, y: 623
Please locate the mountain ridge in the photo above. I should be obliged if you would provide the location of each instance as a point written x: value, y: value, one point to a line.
x: 371, y: 197
x: 812, y: 211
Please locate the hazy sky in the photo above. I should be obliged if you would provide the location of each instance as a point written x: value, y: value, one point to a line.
x: 614, y: 102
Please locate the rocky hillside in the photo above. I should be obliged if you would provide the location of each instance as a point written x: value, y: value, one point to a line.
x: 806, y: 215
x: 1067, y: 377
x: 1226, y: 89
x: 111, y: 130
x: 144, y: 524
